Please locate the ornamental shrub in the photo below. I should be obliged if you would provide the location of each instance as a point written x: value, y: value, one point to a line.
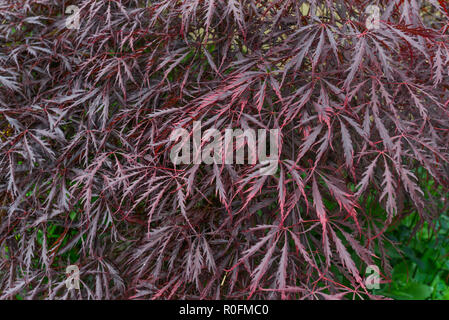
x: 89, y: 96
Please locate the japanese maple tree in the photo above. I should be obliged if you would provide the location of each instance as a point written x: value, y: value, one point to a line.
x: 85, y: 119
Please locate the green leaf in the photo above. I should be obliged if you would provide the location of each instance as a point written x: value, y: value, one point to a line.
x: 417, y: 291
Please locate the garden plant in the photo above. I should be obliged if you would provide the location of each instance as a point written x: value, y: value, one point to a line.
x: 92, y: 90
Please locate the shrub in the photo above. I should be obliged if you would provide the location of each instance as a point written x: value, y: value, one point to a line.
x: 86, y: 116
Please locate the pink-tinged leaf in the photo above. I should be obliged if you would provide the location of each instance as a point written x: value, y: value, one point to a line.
x: 366, y: 178
x: 301, y: 248
x: 347, y: 145
x: 261, y: 269
x: 310, y: 140
x: 359, y: 52
x: 282, y: 191
x: 318, y: 203
x: 383, y: 132
x: 281, y: 276
x: 346, y: 257
x: 389, y: 192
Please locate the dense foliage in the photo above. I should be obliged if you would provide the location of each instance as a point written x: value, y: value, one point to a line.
x: 85, y: 119
x: 419, y: 255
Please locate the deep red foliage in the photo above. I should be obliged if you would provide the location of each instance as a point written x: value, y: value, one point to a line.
x: 85, y: 120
